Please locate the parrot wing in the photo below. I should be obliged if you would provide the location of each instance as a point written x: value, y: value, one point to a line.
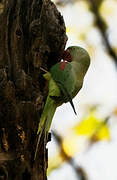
x: 65, y: 81
x: 66, y: 94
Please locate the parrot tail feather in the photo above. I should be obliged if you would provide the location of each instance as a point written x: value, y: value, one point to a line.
x: 39, y: 137
x: 45, y: 121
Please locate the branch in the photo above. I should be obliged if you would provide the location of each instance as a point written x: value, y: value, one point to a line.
x: 100, y: 23
x: 81, y: 174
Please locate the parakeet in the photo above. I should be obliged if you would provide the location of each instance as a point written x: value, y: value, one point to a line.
x: 65, y: 81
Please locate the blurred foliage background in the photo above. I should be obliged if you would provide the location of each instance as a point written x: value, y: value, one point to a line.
x: 84, y: 147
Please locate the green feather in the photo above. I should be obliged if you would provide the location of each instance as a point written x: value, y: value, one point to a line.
x: 49, y: 109
x: 67, y: 96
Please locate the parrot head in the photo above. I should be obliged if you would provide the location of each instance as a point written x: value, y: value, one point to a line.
x: 77, y: 54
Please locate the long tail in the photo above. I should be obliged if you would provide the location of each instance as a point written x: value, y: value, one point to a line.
x: 45, y: 120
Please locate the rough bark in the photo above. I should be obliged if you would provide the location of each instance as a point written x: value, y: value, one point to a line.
x: 32, y: 35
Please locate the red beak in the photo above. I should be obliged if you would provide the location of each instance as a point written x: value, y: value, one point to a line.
x: 66, y: 56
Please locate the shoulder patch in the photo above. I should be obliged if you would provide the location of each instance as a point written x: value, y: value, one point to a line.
x: 62, y: 65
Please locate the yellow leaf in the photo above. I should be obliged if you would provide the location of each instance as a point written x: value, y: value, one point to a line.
x: 115, y: 111
x: 54, y: 162
x: 108, y: 8
x: 70, y: 145
x: 93, y: 126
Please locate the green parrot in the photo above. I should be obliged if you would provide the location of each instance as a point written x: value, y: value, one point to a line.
x: 65, y: 81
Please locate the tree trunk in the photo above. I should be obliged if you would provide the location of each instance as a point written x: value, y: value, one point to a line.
x: 32, y: 35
